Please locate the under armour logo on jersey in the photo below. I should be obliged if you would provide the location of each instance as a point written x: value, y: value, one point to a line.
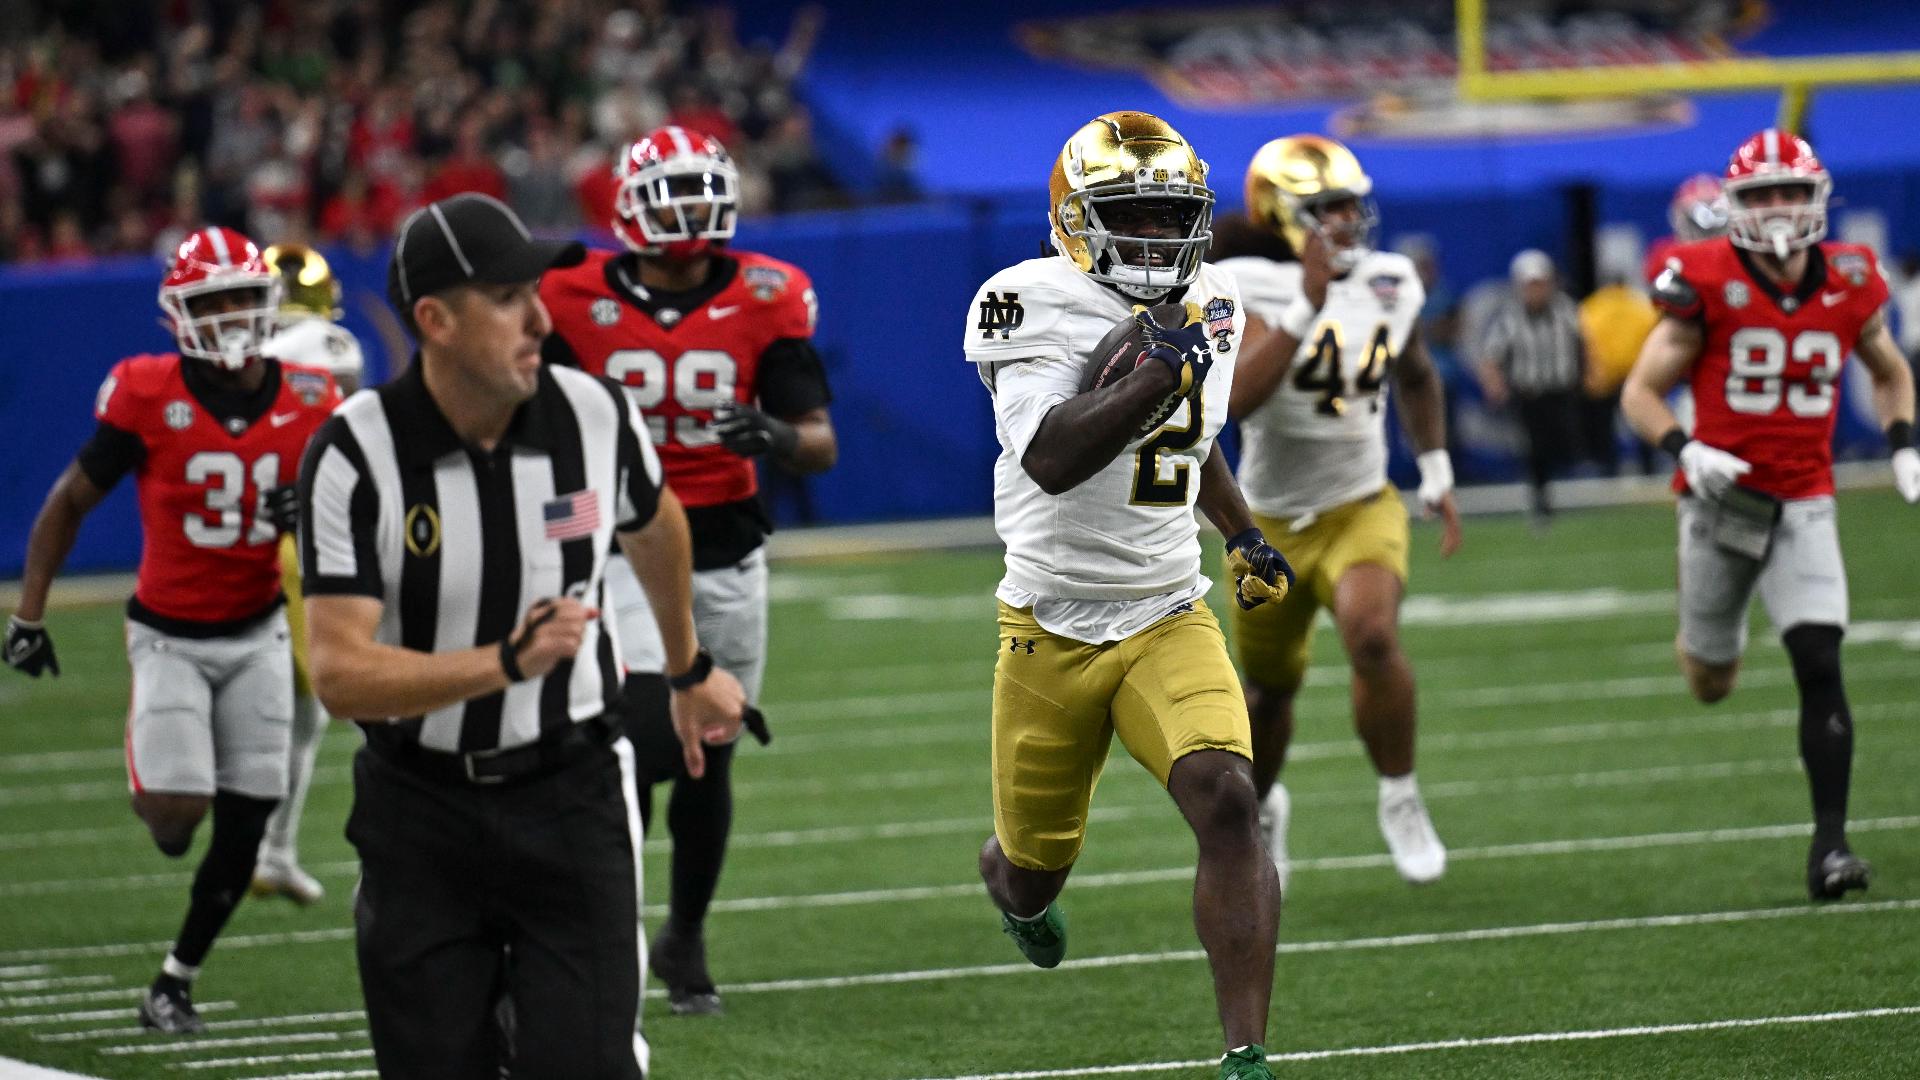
x: 1001, y: 316
x: 1017, y: 645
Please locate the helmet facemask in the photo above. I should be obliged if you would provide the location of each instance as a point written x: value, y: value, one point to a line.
x: 680, y: 208
x: 1347, y: 242
x: 1781, y: 228
x: 1142, y: 266
x: 228, y: 339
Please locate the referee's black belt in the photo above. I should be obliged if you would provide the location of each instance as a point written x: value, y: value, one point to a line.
x: 550, y: 754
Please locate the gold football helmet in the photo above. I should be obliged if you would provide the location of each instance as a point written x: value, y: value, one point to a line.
x: 310, y: 287
x: 1292, y: 180
x: 1131, y: 171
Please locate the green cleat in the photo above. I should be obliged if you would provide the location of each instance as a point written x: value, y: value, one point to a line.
x: 1246, y: 1063
x: 1043, y: 941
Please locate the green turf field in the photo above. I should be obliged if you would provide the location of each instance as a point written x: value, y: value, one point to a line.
x: 1625, y: 897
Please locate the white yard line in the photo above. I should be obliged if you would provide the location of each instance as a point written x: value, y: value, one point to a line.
x: 1396, y: 941
x: 339, y: 1074
x: 1467, y: 1043
x: 80, y: 997
x: 87, y: 1015
x: 191, y: 1046
x: 274, y: 1059
x: 249, y: 1023
x: 54, y: 982
x: 20, y: 1070
x: 23, y: 971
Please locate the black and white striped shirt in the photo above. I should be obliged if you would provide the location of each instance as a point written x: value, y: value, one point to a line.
x: 1540, y: 352
x: 458, y: 543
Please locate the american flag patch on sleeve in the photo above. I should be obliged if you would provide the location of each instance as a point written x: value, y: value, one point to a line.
x: 571, y: 517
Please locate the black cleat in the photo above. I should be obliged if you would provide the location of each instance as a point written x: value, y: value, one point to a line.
x: 1833, y: 873
x: 681, y: 962
x: 168, y: 1008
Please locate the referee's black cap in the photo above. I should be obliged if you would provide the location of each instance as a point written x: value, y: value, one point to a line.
x: 468, y: 238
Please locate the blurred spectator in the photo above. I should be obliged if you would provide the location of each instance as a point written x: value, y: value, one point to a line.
x: 1614, y: 321
x: 898, y: 181
x: 1532, y: 358
x: 1906, y: 305
x: 335, y: 117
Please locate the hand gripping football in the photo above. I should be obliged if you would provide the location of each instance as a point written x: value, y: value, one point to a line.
x: 1124, y: 349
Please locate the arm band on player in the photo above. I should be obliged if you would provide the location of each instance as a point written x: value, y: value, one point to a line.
x: 1297, y: 318
x: 1673, y: 441
x: 510, y: 661
x: 695, y: 675
x: 1899, y: 435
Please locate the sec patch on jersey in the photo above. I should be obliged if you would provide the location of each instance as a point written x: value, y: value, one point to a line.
x: 1123, y: 349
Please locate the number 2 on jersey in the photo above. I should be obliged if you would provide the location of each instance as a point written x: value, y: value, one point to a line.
x: 1323, y: 374
x: 1148, y: 488
x: 699, y: 379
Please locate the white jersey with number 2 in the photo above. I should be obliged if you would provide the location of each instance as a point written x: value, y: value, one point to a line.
x: 1128, y: 532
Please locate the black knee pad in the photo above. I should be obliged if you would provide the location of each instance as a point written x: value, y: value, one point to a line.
x: 239, y: 823
x: 1814, y: 649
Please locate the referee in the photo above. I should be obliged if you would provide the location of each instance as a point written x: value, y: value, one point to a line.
x: 1534, y: 358
x: 456, y: 523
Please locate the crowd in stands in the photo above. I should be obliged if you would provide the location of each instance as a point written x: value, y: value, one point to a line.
x: 124, y: 124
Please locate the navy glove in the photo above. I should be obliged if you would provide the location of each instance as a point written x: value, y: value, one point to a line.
x: 1185, y: 349
x: 282, y: 507
x: 749, y: 432
x: 29, y: 648
x: 1259, y: 572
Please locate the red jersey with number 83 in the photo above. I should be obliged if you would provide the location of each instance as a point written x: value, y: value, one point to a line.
x: 678, y: 365
x: 208, y: 554
x: 1766, y: 386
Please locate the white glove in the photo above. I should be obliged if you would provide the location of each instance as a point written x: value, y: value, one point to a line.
x: 1436, y: 478
x: 1710, y: 472
x: 1906, y: 473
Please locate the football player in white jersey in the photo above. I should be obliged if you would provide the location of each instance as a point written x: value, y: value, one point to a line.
x: 305, y: 334
x: 1104, y: 629
x: 1326, y: 336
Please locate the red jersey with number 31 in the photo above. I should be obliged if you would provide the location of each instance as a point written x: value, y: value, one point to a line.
x: 678, y: 365
x: 208, y: 554
x: 1766, y: 386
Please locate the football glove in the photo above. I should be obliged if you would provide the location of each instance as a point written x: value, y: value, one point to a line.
x: 1259, y: 572
x: 282, y: 507
x: 1185, y: 349
x: 1906, y: 473
x: 749, y: 432
x: 29, y: 648
x: 1436, y: 478
x: 1710, y: 472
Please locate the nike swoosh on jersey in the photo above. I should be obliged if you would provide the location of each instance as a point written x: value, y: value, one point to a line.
x: 1832, y: 298
x: 722, y: 312
x: 282, y: 419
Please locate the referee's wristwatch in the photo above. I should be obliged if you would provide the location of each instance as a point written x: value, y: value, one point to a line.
x: 695, y: 675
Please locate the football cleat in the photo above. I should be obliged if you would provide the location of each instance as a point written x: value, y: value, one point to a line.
x: 1042, y: 940
x: 680, y: 960
x: 168, y: 1008
x: 1833, y: 873
x: 1275, y: 810
x: 288, y: 880
x: 1245, y: 1063
x: 1417, y: 851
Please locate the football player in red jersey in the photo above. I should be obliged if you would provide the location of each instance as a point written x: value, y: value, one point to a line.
x: 213, y: 436
x: 714, y: 344
x: 1759, y: 323
x: 1698, y: 212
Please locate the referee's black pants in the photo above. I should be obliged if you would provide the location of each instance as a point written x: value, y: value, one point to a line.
x: 1552, y: 421
x: 525, y: 891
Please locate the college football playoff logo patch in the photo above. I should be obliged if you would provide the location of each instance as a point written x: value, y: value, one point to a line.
x: 1851, y: 266
x: 605, y: 312
x: 178, y: 415
x: 309, y: 386
x: 1219, y: 316
x: 765, y: 282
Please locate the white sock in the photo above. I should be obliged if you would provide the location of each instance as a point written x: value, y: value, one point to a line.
x: 1399, y: 787
x: 178, y: 970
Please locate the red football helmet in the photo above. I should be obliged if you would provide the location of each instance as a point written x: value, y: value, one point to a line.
x: 1699, y: 209
x: 212, y: 261
x: 678, y: 194
x: 1776, y: 159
